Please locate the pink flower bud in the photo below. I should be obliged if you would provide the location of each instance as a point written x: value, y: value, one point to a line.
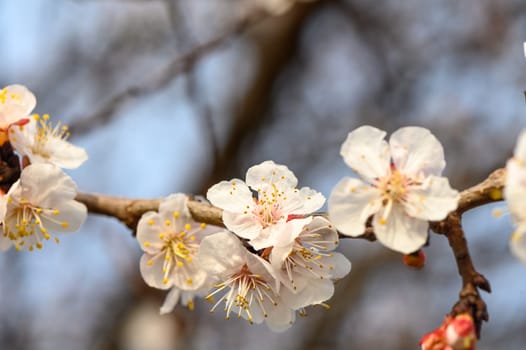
x: 460, y: 333
x: 416, y: 260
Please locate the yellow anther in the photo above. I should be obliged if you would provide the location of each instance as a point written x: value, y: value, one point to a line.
x: 165, y: 280
x: 39, y: 245
x: 180, y: 263
x: 30, y: 248
x: 161, y: 236
x: 38, y: 210
x: 146, y: 244
x: 9, y: 199
x: 44, y: 231
x: 383, y: 221
x: 167, y: 222
x: 57, y: 241
x: 495, y: 194
x: 149, y: 262
x: 64, y: 224
x: 187, y: 227
x: 191, y: 305
x: 45, y: 116
x: 151, y: 222
x: 36, y: 117
x: 176, y: 214
x: 189, y: 281
x: 203, y: 225
x: 56, y: 212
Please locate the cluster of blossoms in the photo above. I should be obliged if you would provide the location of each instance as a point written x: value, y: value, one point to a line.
x: 38, y: 200
x: 274, y: 260
x: 456, y: 333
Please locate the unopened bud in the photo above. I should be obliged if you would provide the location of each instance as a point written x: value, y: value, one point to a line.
x: 460, y: 333
x: 416, y: 260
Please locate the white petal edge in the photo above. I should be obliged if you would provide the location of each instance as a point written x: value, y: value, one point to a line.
x: 433, y: 200
x: 400, y: 232
x: 367, y: 153
x: 233, y: 196
x: 350, y: 205
x: 417, y: 152
x: 171, y: 299
x: 268, y: 173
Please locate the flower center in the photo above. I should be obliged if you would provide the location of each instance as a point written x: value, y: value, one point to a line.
x: 308, y: 256
x: 23, y: 224
x: 268, y: 206
x: 179, y: 249
x: 246, y: 290
x: 46, y: 132
x: 395, y: 186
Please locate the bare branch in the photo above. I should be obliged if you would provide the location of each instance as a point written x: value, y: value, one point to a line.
x: 180, y: 65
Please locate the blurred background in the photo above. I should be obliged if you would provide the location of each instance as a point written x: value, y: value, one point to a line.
x: 175, y: 95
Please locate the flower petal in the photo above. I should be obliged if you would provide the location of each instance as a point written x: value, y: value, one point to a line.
x: 314, y: 291
x: 170, y: 301
x: 16, y: 102
x: 433, y: 200
x: 399, y: 231
x: 71, y: 215
x: 518, y: 243
x: 46, y: 185
x: 515, y: 189
x: 243, y: 225
x: 280, y: 318
x: 367, y: 153
x: 266, y: 174
x: 304, y: 201
x: 233, y: 196
x: 520, y: 149
x: 339, y: 266
x: 417, y: 152
x: 350, y: 205
x: 152, y: 271
x: 5, y: 242
x: 320, y: 229
x: 148, y: 230
x: 280, y: 234
x: 221, y: 254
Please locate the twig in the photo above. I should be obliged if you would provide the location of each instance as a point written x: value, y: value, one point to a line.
x: 179, y: 65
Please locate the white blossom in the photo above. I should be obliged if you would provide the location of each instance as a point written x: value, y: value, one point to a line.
x: 265, y: 219
x: 307, y: 265
x: 42, y: 142
x: 170, y: 240
x: 515, y: 194
x: 400, y: 185
x: 247, y: 285
x: 16, y: 103
x: 41, y: 202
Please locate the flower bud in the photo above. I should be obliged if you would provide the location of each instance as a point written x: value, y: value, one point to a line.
x: 416, y: 260
x: 460, y: 333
